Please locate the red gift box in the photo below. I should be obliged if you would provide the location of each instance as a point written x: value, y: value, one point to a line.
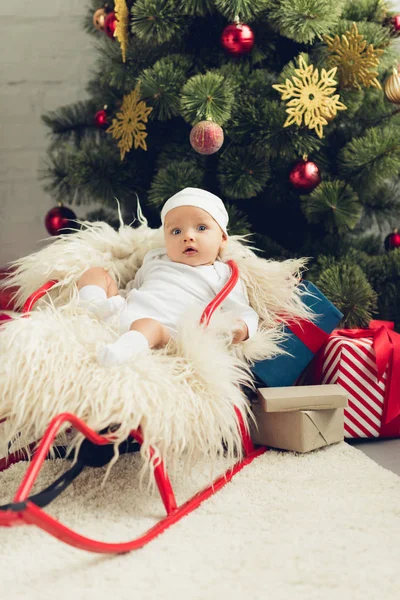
x: 6, y: 294
x: 366, y: 363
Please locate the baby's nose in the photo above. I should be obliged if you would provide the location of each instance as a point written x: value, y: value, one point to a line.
x: 189, y: 236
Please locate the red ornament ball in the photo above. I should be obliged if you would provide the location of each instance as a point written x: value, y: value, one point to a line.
x: 237, y: 39
x: 59, y: 218
x: 101, y: 119
x: 110, y: 24
x: 392, y: 240
x: 305, y: 175
x: 396, y: 22
x: 206, y: 137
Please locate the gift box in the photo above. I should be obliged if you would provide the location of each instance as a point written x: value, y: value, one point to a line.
x: 366, y: 363
x: 6, y: 293
x: 300, y: 419
x: 304, y: 339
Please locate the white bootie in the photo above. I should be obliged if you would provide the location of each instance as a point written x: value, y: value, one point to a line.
x: 129, y: 345
x: 94, y: 299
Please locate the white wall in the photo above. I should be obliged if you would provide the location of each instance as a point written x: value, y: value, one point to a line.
x: 45, y: 61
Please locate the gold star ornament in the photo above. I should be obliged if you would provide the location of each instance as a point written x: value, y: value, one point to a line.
x: 129, y: 126
x: 310, y: 97
x: 354, y: 59
x: 121, y: 29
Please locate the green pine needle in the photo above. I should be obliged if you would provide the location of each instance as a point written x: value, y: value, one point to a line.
x: 370, y: 244
x: 173, y: 178
x: 161, y: 85
x: 382, y: 207
x: 238, y: 222
x: 372, y: 158
x: 197, y: 7
x: 241, y: 173
x: 259, y: 122
x: 245, y: 10
x: 374, y: 33
x: 348, y: 289
x: 88, y: 175
x: 206, y: 96
x: 304, y: 20
x: 364, y: 10
x: 383, y: 271
x: 157, y: 20
x: 333, y: 204
x: 73, y: 122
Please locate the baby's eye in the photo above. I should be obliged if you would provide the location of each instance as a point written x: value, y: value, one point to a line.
x: 202, y: 228
x: 175, y: 231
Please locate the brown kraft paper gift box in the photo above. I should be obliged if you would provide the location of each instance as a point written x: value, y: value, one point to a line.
x: 299, y: 419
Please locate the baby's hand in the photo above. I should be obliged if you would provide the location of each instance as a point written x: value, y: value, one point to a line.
x: 240, y: 332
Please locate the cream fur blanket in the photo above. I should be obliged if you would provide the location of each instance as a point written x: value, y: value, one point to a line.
x: 182, y: 396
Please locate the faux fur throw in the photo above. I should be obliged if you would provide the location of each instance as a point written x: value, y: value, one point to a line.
x: 182, y: 396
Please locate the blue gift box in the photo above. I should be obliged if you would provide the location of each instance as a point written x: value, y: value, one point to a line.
x: 284, y: 369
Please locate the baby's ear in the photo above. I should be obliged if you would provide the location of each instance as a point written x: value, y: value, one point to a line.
x: 224, y: 239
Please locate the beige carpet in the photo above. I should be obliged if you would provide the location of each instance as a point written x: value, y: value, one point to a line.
x: 324, y: 525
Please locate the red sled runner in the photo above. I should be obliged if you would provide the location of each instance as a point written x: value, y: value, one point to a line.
x: 28, y: 510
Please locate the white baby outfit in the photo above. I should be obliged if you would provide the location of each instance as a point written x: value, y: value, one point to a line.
x: 163, y: 290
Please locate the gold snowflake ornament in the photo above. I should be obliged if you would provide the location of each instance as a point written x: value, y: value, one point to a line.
x: 354, y: 59
x: 310, y: 96
x: 129, y: 126
x: 121, y: 29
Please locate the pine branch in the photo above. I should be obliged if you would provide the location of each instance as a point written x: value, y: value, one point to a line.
x: 370, y: 244
x: 94, y: 173
x: 181, y: 150
x: 161, y: 85
x: 197, y: 7
x: 372, y: 158
x: 268, y: 248
x: 364, y: 10
x: 383, y: 272
x: 242, y: 173
x: 374, y: 33
x: 238, y: 222
x: 304, y: 20
x: 72, y: 123
x: 244, y: 10
x: 349, y: 290
x: 333, y: 204
x: 115, y: 78
x: 258, y: 123
x: 157, y: 20
x: 173, y: 178
x: 206, y: 96
x: 382, y: 208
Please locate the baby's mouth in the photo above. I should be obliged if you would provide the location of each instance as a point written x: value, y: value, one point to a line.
x: 190, y: 251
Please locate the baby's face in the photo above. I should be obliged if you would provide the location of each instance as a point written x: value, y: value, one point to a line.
x: 192, y: 237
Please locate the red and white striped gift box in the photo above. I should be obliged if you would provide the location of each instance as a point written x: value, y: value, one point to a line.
x: 352, y: 364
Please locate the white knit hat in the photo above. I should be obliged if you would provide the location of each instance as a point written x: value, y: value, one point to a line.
x: 202, y: 199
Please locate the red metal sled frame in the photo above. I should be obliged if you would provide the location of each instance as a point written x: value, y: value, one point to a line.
x: 25, y: 512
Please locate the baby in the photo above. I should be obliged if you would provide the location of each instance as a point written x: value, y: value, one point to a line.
x: 186, y: 271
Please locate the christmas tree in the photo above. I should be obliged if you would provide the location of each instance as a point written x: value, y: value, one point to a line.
x: 286, y: 109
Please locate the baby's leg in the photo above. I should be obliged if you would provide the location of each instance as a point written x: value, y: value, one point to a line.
x: 143, y: 334
x: 156, y: 334
x: 98, y: 293
x: 99, y: 277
